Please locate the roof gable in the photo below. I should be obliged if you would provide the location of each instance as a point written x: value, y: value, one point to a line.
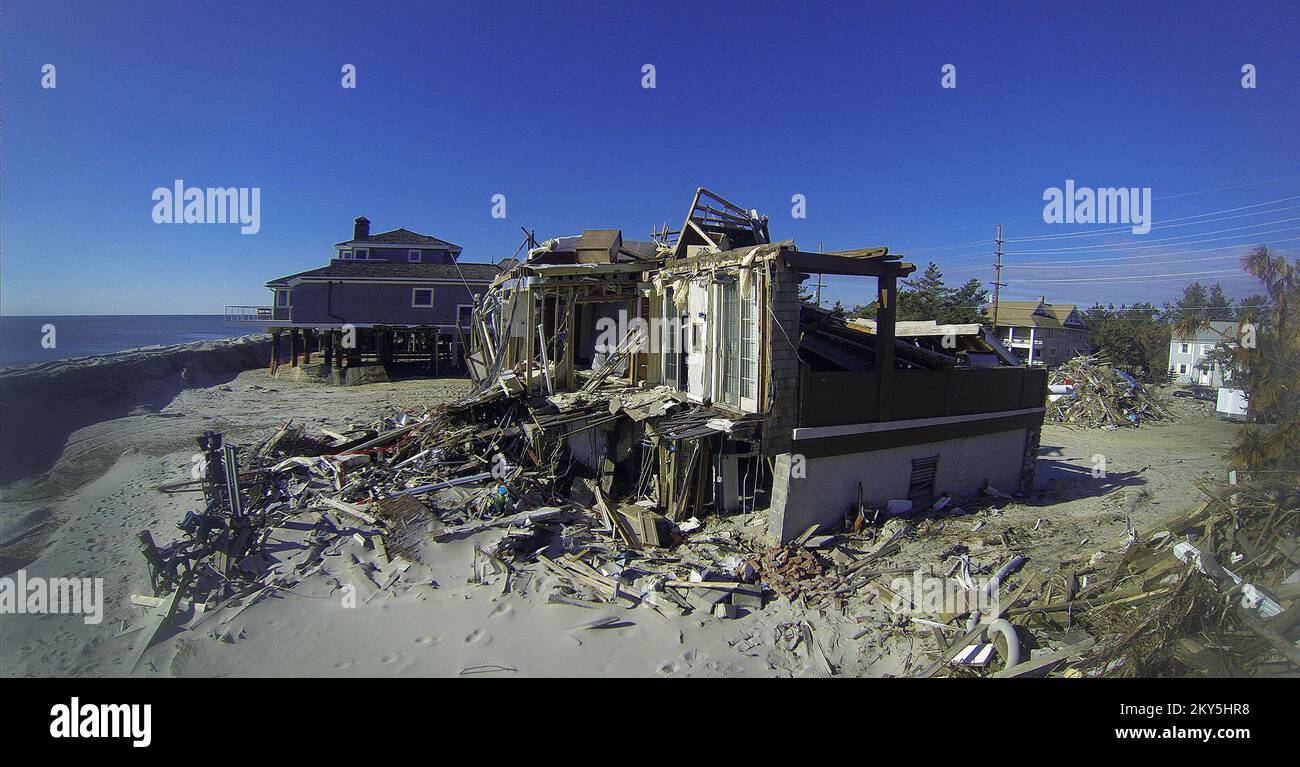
x: 392, y: 270
x: 400, y: 237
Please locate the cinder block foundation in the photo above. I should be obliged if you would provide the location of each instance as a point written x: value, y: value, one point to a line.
x: 829, y: 487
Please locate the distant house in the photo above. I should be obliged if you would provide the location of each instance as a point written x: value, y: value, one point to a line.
x: 1188, y: 357
x: 1040, y: 333
x: 393, y: 296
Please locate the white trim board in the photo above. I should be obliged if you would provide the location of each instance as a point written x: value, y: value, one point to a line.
x: 822, y: 432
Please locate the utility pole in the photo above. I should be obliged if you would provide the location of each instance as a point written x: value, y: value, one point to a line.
x: 997, y: 279
x: 819, y: 278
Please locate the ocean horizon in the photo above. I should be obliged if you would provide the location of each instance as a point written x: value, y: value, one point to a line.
x: 23, y: 337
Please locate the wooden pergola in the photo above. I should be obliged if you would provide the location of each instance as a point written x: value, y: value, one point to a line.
x: 887, y: 269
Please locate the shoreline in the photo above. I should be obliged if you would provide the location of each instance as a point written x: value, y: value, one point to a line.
x: 43, y: 403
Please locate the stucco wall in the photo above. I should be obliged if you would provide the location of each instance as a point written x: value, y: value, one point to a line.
x: 829, y: 487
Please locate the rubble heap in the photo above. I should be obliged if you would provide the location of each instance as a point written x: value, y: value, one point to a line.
x: 1090, y: 392
x: 1210, y: 592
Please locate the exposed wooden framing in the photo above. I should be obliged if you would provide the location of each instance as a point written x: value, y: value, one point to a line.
x: 570, y: 374
x: 530, y: 335
x: 862, y: 266
x: 294, y: 345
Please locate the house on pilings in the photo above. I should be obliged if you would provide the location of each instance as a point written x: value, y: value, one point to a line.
x: 687, y: 376
x: 392, y: 300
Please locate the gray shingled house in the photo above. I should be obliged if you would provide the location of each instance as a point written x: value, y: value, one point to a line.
x: 393, y: 297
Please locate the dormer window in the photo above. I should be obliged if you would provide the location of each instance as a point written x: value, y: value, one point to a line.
x: 346, y: 254
x: 413, y: 256
x: 361, y: 254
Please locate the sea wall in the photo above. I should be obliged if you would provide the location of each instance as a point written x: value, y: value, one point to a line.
x: 40, y: 405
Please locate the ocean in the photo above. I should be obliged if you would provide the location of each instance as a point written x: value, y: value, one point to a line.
x: 92, y: 335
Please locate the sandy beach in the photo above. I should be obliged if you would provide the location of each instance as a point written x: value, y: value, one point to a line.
x: 80, y: 517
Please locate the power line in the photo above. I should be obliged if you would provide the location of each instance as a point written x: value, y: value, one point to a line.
x: 1121, y: 228
x: 1174, y: 222
x: 1108, y: 246
x: 1155, y: 243
x: 1162, y: 256
x: 1129, y: 277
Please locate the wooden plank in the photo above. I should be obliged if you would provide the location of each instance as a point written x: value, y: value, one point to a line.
x: 1044, y: 663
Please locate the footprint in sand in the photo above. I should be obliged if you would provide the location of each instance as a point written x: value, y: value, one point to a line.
x: 479, y: 638
x: 426, y: 640
x: 344, y: 664
x: 393, y: 658
x: 667, y: 668
x: 503, y: 610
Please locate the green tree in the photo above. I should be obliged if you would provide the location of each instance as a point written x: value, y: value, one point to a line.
x: 964, y: 305
x: 1265, y: 362
x: 1196, y: 308
x: 926, y: 297
x: 1132, y: 337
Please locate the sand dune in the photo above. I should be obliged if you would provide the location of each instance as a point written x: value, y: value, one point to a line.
x: 42, y: 404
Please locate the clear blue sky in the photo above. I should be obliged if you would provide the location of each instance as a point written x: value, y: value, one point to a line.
x: 543, y: 103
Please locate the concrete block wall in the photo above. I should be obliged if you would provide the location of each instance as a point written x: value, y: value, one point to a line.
x: 784, y: 358
x: 829, y: 487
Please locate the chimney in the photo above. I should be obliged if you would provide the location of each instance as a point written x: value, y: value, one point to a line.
x: 1041, y: 299
x: 361, y: 228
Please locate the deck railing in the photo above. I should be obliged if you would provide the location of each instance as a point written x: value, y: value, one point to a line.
x: 249, y: 314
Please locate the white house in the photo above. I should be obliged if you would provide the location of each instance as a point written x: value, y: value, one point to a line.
x: 1187, y: 356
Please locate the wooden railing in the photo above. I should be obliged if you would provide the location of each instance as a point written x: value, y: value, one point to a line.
x: 249, y: 314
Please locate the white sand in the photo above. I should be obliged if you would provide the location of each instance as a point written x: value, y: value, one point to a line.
x: 80, y: 520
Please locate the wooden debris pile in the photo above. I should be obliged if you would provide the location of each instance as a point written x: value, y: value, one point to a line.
x: 1214, y: 592
x: 1211, y: 592
x: 1101, y: 396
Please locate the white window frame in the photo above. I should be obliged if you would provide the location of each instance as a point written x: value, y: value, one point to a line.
x: 670, y: 341
x: 361, y: 254
x: 732, y: 353
x: 419, y: 256
x: 345, y: 254
x: 1182, y: 368
x: 1182, y: 348
x: 415, y: 305
x: 288, y: 298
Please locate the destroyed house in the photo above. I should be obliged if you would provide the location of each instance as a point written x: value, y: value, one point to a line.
x: 687, y: 376
x: 384, y: 299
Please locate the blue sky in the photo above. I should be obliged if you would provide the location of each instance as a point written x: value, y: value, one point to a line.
x: 542, y: 102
